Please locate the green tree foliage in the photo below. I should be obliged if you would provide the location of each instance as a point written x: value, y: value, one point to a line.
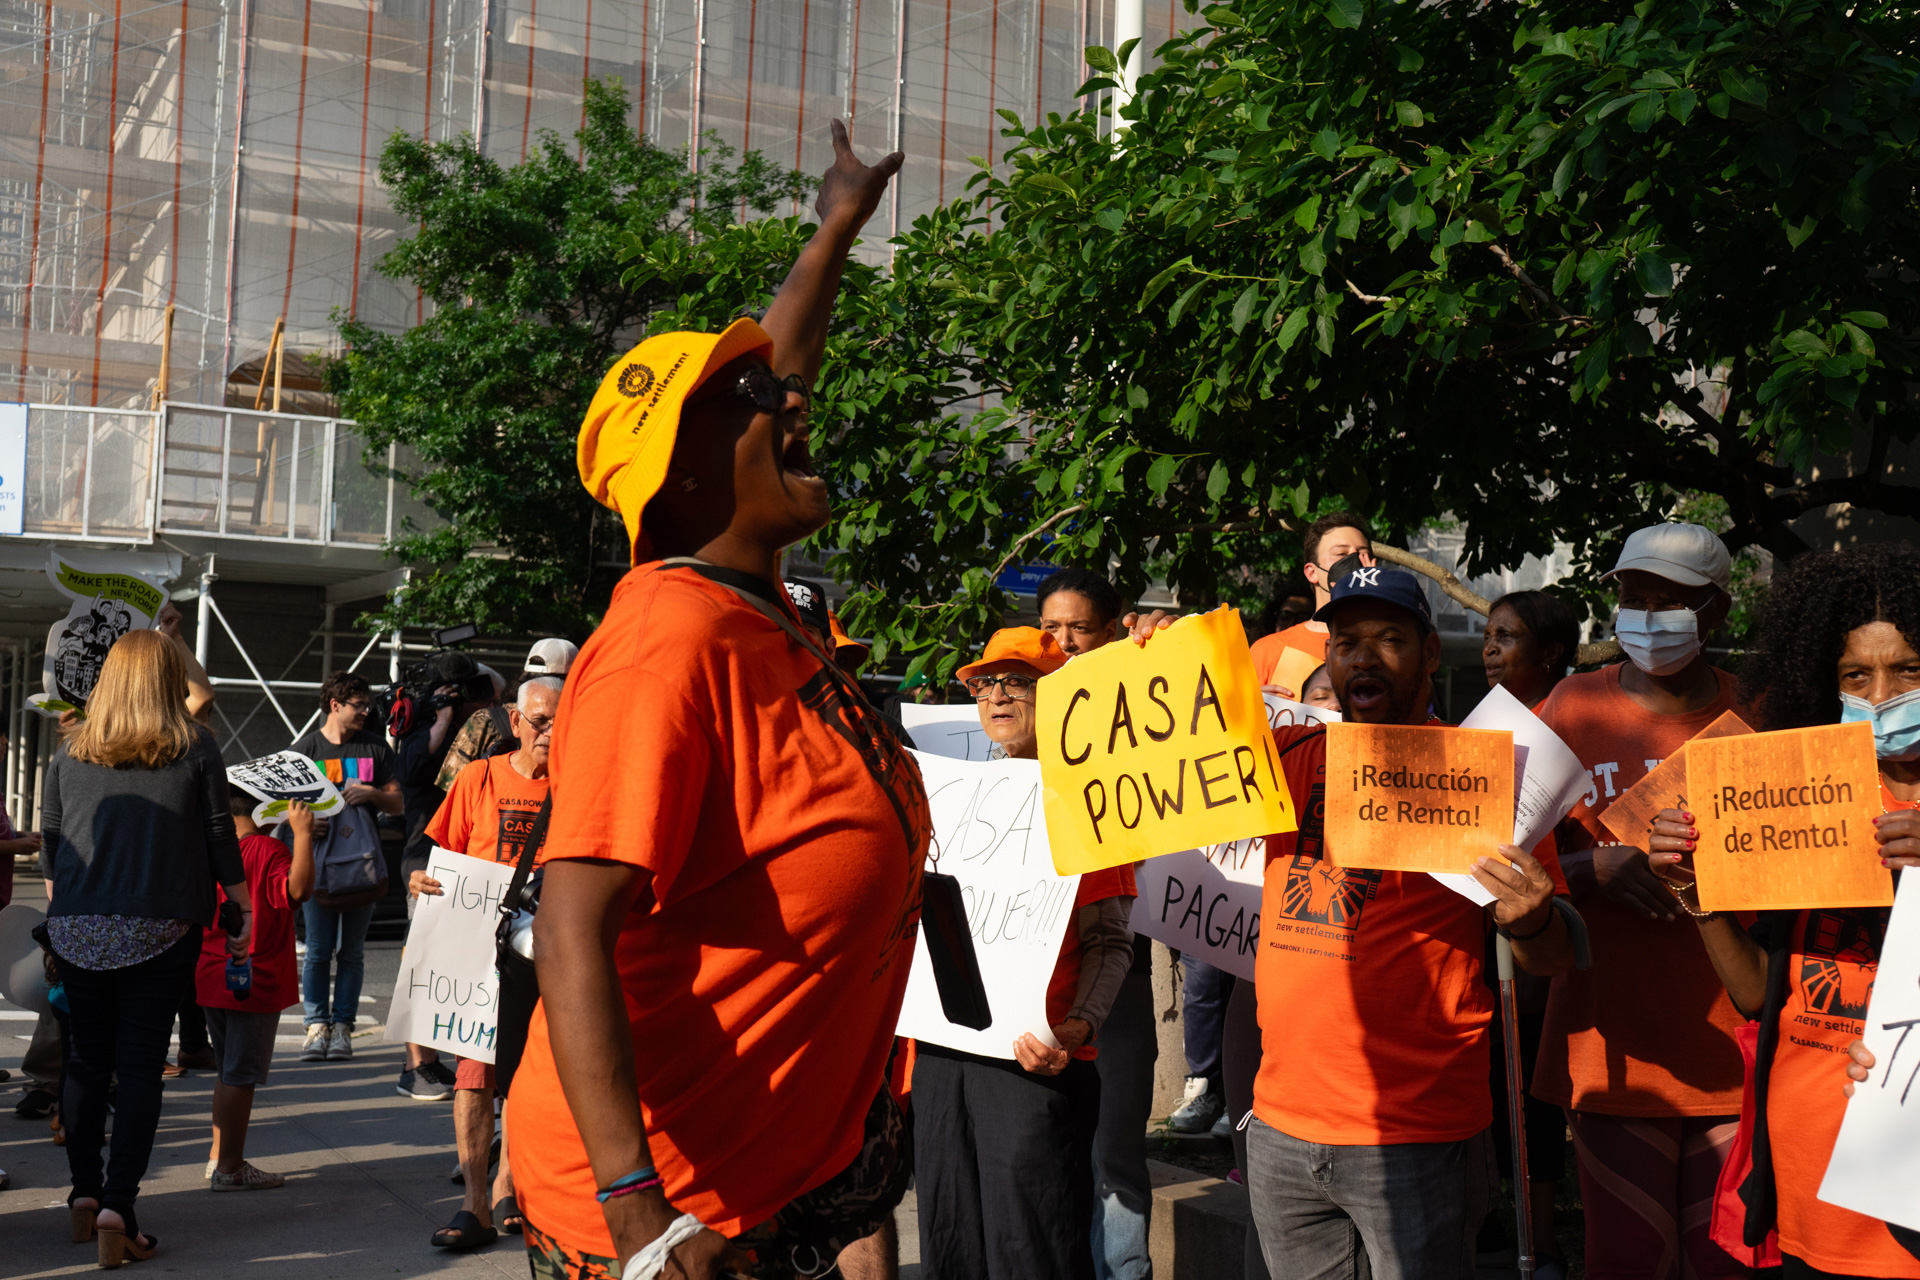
x: 1543, y: 266
x: 539, y: 276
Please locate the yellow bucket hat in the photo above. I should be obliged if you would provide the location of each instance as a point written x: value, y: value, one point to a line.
x: 627, y: 437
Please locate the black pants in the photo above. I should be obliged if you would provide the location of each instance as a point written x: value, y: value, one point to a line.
x: 193, y: 1021
x: 1003, y: 1162
x: 119, y: 1022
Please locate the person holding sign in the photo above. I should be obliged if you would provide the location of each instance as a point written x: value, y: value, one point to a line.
x: 1640, y: 1048
x: 1839, y: 641
x: 1371, y: 1108
x: 1003, y: 1151
x: 488, y: 814
x: 1328, y: 541
x: 1081, y: 611
x: 727, y: 923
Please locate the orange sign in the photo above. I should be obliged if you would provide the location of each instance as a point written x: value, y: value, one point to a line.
x: 1291, y: 672
x: 1417, y: 798
x: 1786, y: 820
x: 1664, y: 787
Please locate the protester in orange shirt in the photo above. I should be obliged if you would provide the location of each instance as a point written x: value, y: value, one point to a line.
x: 1003, y: 1151
x: 1081, y: 611
x: 1371, y: 1106
x: 488, y: 813
x: 1329, y: 540
x: 1839, y: 641
x: 736, y: 839
x: 1640, y: 1048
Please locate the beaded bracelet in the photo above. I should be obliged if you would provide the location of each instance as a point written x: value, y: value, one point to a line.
x: 627, y: 1184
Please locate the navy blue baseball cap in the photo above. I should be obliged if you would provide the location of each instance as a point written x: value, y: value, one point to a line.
x: 1379, y: 582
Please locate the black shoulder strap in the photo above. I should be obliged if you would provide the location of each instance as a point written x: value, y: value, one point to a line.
x: 523, y: 870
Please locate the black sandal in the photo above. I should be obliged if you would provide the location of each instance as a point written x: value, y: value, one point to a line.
x: 507, y: 1215
x: 464, y: 1233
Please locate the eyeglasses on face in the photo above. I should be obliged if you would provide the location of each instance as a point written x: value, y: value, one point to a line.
x: 539, y: 725
x: 1017, y: 687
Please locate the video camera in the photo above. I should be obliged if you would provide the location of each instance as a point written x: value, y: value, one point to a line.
x: 402, y: 705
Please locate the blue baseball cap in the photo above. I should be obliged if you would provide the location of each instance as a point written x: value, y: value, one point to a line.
x: 1393, y: 586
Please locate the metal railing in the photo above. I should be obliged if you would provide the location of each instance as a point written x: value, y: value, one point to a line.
x: 127, y: 475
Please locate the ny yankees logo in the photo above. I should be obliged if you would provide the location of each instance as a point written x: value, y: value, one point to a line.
x: 1364, y: 578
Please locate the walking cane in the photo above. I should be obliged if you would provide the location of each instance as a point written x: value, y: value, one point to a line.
x: 1516, y: 1078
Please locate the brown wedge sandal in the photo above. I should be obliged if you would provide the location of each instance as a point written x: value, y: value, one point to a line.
x: 81, y: 1219
x: 124, y: 1243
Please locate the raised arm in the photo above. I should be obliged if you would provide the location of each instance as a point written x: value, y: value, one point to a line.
x: 797, y: 319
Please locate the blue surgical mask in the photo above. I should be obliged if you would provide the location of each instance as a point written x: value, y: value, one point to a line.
x: 1658, y: 643
x: 1896, y: 723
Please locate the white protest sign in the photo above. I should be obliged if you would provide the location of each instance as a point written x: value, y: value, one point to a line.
x: 1284, y: 713
x: 1205, y: 904
x: 1548, y: 779
x: 991, y: 836
x: 109, y: 600
x: 953, y: 732
x: 276, y: 781
x: 447, y: 993
x: 1875, y: 1167
x: 13, y: 469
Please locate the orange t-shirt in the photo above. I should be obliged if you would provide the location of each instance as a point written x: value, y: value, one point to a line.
x: 1373, y: 1012
x: 783, y: 827
x: 1832, y: 959
x: 489, y: 812
x: 1648, y: 1031
x: 1095, y: 886
x: 1268, y: 648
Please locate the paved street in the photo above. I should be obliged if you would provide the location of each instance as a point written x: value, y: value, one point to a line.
x: 367, y: 1170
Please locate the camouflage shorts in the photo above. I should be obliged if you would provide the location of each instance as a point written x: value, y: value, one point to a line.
x: 801, y: 1240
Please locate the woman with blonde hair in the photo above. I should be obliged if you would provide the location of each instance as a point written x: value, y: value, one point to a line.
x: 136, y: 832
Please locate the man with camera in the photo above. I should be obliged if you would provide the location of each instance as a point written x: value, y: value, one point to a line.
x: 439, y: 693
x: 361, y: 765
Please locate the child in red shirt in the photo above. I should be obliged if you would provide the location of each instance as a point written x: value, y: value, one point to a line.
x: 242, y: 1030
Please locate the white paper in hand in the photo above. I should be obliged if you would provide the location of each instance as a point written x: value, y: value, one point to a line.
x: 950, y: 731
x: 1548, y: 779
x: 1875, y: 1168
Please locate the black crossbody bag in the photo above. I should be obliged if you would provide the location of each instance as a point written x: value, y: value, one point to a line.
x: 519, y: 986
x: 943, y: 910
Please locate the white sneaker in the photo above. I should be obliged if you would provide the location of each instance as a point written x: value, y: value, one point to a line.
x: 315, y: 1047
x: 340, y: 1043
x: 1198, y: 1109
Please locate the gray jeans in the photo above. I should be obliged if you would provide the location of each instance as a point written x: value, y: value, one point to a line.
x: 1409, y: 1210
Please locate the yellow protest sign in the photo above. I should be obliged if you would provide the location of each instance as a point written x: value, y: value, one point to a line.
x: 1786, y: 820
x: 1152, y: 749
x: 1404, y: 797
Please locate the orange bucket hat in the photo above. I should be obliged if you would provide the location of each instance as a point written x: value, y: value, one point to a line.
x: 627, y: 437
x: 1030, y: 645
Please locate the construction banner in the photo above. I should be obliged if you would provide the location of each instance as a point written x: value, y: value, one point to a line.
x: 1416, y: 797
x: 1155, y: 748
x: 1786, y: 819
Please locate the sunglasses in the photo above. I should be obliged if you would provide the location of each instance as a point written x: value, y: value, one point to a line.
x: 1018, y: 687
x: 767, y: 393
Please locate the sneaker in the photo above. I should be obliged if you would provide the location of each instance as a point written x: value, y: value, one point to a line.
x: 422, y: 1087
x: 248, y: 1179
x: 37, y: 1105
x: 340, y: 1043
x: 439, y: 1072
x: 1223, y: 1127
x: 1198, y: 1110
x: 315, y: 1048
x: 211, y: 1166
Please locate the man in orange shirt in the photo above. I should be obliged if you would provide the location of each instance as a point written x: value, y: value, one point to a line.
x: 1329, y: 540
x: 1371, y: 1107
x: 1640, y: 1048
x: 488, y: 814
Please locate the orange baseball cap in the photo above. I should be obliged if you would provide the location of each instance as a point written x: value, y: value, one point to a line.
x: 626, y: 439
x: 841, y: 640
x: 1030, y: 645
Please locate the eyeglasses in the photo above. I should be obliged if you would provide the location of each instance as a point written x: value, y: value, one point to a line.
x: 1017, y: 687
x: 540, y: 725
x: 769, y: 394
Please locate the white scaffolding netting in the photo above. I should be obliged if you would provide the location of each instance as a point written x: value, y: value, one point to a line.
x: 221, y: 155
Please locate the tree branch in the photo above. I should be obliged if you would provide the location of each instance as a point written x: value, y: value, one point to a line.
x: 1030, y: 534
x: 1538, y: 294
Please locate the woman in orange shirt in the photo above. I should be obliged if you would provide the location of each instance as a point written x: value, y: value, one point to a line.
x: 736, y: 839
x: 1839, y: 641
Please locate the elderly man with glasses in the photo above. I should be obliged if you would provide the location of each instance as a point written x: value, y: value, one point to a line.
x: 1003, y: 1150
